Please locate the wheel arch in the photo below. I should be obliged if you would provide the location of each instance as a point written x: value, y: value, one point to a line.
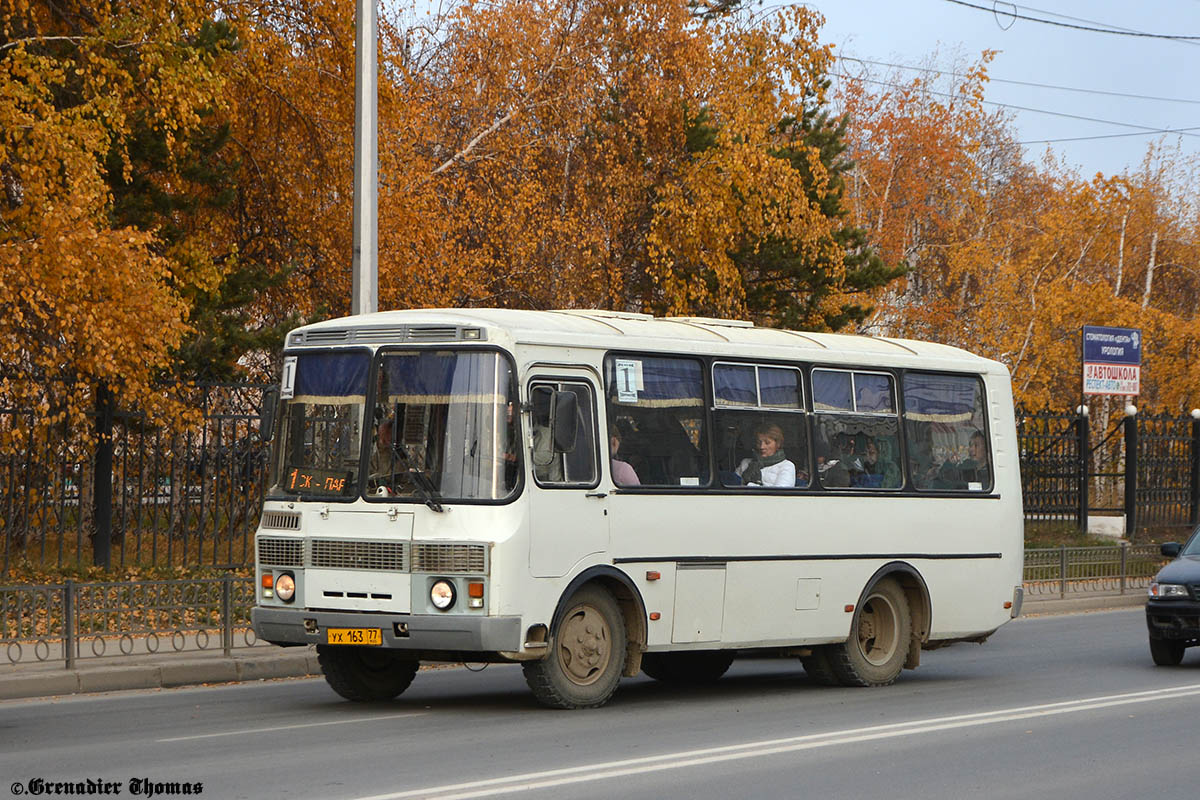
x: 919, y: 607
x: 629, y: 600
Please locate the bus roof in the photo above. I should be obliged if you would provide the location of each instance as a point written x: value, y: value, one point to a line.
x: 597, y: 328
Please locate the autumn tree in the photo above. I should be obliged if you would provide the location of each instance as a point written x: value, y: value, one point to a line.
x: 87, y: 299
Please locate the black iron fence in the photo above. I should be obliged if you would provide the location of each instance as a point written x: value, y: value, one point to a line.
x: 188, y: 497
x: 1143, y: 468
x: 191, y: 497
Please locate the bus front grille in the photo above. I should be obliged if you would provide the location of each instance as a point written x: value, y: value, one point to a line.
x: 351, y: 554
x: 449, y: 558
x: 281, y: 520
x: 280, y: 552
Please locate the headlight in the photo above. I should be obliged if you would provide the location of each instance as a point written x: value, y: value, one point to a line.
x: 285, y: 587
x: 441, y: 594
x: 1163, y: 591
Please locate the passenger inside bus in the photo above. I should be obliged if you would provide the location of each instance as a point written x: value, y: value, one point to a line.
x: 623, y: 474
x: 547, y: 465
x: 382, y: 463
x: 880, y: 470
x: 770, y: 466
x: 973, y: 472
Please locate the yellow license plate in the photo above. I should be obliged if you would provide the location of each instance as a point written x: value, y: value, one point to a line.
x: 353, y: 636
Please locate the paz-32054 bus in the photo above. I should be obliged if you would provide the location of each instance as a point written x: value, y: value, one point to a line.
x: 593, y: 494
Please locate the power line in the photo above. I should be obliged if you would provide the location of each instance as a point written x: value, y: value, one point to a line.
x: 1114, y: 31
x: 1143, y: 128
x: 1108, y: 136
x: 1025, y: 83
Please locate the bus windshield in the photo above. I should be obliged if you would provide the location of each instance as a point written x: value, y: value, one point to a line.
x: 441, y: 427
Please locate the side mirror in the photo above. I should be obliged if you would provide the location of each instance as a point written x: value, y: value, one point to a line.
x: 267, y: 414
x: 564, y: 413
x: 1170, y: 549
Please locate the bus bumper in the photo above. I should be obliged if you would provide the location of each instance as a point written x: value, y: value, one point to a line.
x: 424, y: 632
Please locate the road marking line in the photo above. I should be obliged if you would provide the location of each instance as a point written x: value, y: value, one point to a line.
x: 289, y: 727
x: 712, y: 755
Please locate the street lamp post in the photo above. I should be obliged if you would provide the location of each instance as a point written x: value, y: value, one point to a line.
x: 365, y: 280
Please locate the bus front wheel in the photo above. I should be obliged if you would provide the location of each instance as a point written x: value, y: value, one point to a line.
x: 586, y: 656
x: 879, y: 635
x: 364, y: 674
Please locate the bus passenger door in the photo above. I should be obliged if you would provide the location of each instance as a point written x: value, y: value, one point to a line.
x: 568, y: 518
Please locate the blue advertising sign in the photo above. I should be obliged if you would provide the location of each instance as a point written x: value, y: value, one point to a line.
x: 1112, y: 360
x: 1111, y: 345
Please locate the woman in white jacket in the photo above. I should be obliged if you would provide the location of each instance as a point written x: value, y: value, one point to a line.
x: 771, y: 467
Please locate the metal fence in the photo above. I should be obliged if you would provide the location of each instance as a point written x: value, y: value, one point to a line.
x: 1067, y: 571
x: 1144, y: 468
x: 74, y: 621
x: 192, y: 497
x: 179, y: 498
x: 1048, y: 443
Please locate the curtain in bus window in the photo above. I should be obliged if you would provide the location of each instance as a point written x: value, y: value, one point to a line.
x: 780, y: 388
x: 331, y: 378
x: 662, y: 382
x: 832, y: 391
x: 946, y: 431
x: 459, y: 377
x: 940, y: 398
x: 733, y: 385
x: 873, y: 393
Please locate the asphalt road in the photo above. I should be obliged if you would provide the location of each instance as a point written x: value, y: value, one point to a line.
x: 1062, y: 707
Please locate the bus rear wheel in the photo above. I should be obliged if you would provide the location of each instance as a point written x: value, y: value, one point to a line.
x: 701, y: 666
x: 819, y: 667
x: 365, y: 674
x: 879, y: 636
x: 587, y: 654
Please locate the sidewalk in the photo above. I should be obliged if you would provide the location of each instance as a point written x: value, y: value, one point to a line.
x: 160, y: 671
x: 266, y: 662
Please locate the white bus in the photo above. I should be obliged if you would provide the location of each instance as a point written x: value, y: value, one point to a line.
x: 593, y: 494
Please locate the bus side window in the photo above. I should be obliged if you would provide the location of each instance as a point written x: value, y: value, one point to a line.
x: 946, y: 432
x: 552, y: 464
x: 660, y: 403
x: 857, y: 430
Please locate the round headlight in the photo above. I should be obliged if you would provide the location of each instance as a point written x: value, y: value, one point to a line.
x: 441, y: 594
x: 285, y: 587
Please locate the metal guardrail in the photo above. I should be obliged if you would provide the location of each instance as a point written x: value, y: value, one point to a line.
x: 73, y: 621
x: 1076, y: 570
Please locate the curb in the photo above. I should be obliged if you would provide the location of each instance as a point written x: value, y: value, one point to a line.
x: 166, y: 674
x: 1075, y: 605
x: 279, y: 662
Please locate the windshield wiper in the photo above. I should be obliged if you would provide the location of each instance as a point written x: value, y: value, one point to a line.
x: 424, y: 486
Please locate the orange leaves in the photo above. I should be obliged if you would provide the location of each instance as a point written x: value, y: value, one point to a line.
x: 1010, y: 259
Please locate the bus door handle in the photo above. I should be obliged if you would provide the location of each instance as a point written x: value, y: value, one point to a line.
x: 597, y: 494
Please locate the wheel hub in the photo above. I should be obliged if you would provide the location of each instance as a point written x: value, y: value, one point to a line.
x: 585, y: 645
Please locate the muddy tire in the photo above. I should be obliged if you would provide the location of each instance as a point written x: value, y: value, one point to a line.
x: 365, y: 674
x: 587, y: 654
x: 691, y: 668
x: 819, y: 667
x: 879, y: 638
